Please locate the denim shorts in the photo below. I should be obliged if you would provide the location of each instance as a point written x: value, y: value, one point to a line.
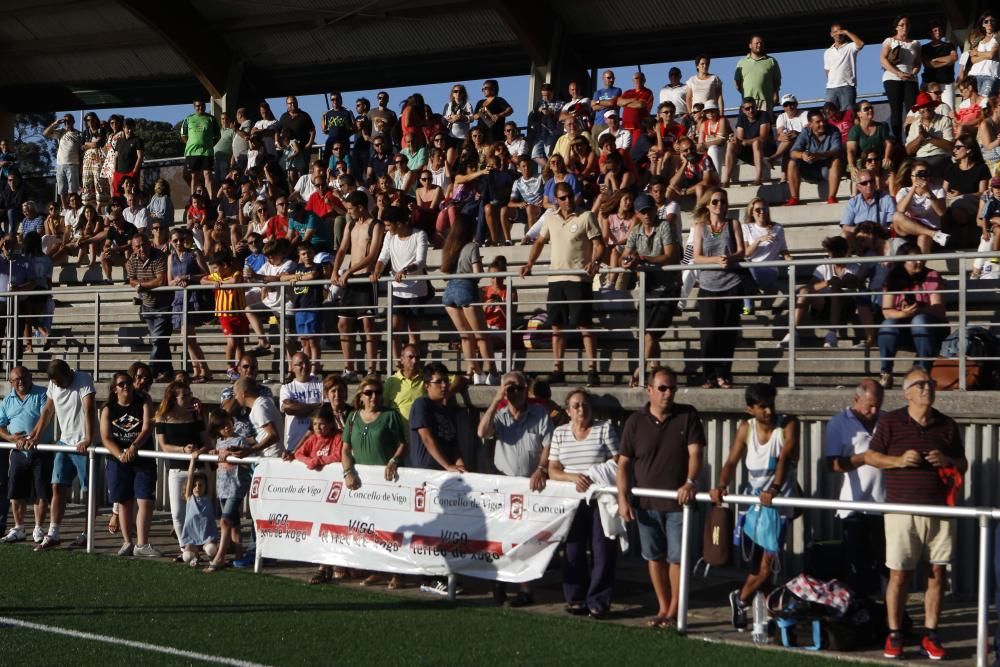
x: 232, y: 508
x: 460, y: 292
x: 660, y: 534
x: 68, y: 466
x: 306, y: 322
x: 131, y: 481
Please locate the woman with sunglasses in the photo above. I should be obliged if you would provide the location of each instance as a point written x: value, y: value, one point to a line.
x: 404, y: 180
x: 969, y: 113
x: 900, y: 58
x: 477, y: 145
x: 576, y: 447
x: 964, y: 181
x: 56, y: 238
x: 457, y: 113
x: 428, y: 198
x: 126, y: 423
x: 765, y: 242
x: 583, y: 164
x: 491, y: 111
x: 186, y: 266
x: 988, y: 135
x: 871, y: 161
x: 867, y: 135
x: 718, y: 241
x: 448, y: 149
x: 984, y: 55
x: 919, y: 207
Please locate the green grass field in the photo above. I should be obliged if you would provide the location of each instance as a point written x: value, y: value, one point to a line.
x: 278, y: 621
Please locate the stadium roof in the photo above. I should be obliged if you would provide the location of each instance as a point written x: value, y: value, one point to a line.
x: 67, y: 54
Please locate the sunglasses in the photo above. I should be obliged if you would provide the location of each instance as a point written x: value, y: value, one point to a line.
x: 759, y: 210
x: 248, y: 366
x: 372, y: 392
x: 664, y: 388
x: 439, y: 381
x: 748, y: 107
x: 871, y: 159
x: 123, y: 383
x: 424, y: 179
x: 957, y: 146
x: 933, y: 92
x: 868, y: 182
x: 921, y: 385
x: 920, y: 174
x: 715, y: 202
x: 563, y: 197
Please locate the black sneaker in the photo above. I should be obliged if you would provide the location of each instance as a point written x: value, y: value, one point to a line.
x: 739, y: 611
x: 557, y: 377
x: 593, y: 379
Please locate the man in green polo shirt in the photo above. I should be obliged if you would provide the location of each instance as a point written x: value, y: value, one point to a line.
x: 200, y: 132
x: 759, y: 76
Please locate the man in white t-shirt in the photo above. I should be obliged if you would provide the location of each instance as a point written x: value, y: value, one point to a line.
x: 264, y: 418
x: 300, y: 398
x: 847, y: 438
x: 623, y: 138
x: 68, y: 156
x: 70, y: 397
x: 840, y: 64
x: 675, y: 91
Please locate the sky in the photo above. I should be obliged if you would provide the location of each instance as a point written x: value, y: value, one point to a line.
x: 802, y: 75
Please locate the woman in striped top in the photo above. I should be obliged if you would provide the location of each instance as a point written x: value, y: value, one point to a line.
x: 576, y: 447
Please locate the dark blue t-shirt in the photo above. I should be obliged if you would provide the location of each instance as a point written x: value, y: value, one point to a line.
x: 425, y: 413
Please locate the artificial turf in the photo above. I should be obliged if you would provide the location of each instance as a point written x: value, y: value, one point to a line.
x: 279, y: 621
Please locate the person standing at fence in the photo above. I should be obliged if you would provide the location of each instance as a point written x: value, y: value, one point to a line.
x: 921, y: 452
x: 127, y: 427
x: 847, y: 440
x: 180, y: 431
x: 718, y: 240
x: 300, y: 398
x: 70, y: 398
x: 146, y: 269
x: 769, y: 444
x: 67, y: 155
x: 662, y: 444
x: 576, y: 246
x: 30, y: 471
x: 522, y: 432
x: 264, y: 418
x: 576, y: 446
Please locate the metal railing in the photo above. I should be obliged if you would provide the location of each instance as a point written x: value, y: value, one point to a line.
x: 625, y: 303
x: 983, y: 515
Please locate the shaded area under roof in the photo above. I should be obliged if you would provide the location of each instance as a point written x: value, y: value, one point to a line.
x: 61, y: 54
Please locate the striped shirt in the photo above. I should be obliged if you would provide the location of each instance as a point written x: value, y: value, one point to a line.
x: 228, y: 302
x: 144, y: 270
x: 896, y: 433
x: 578, y: 455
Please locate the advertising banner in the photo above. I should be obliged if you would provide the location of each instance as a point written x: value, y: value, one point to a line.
x: 425, y: 522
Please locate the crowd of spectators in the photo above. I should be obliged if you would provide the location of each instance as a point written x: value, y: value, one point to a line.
x: 602, y: 177
x: 409, y: 420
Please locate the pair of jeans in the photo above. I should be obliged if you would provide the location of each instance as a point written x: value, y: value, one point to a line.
x: 160, y: 325
x: 926, y: 339
x: 987, y: 85
x: 719, y: 346
x: 901, y: 96
x: 588, y: 583
x: 176, y: 481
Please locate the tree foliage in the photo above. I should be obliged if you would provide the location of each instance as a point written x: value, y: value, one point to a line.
x: 160, y: 139
x: 35, y: 153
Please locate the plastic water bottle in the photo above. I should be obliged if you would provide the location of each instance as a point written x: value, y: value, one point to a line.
x: 760, y: 621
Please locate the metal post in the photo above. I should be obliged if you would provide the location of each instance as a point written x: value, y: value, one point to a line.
x: 983, y: 602
x: 281, y: 334
x: 791, y: 327
x: 685, y: 582
x: 258, y: 559
x: 452, y: 587
x: 388, y: 328
x: 91, y: 498
x: 508, y: 338
x: 642, y: 329
x: 962, y: 298
x: 184, y: 326
x: 97, y: 334
x: 17, y: 333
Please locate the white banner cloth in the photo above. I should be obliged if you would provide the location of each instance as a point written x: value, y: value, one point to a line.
x: 427, y: 522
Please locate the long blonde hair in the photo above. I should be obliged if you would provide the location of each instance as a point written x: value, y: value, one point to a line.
x: 701, y: 211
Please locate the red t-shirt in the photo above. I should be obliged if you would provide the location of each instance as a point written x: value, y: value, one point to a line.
x: 845, y: 124
x: 670, y: 134
x: 277, y: 227
x: 323, y: 205
x: 632, y: 117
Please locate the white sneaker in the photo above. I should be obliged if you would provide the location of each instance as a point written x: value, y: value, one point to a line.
x: 493, y: 379
x: 478, y: 379
x: 941, y: 238
x: 15, y: 535
x: 786, y: 341
x: 437, y: 588
x: 128, y: 549
x: 38, y: 534
x: 147, y: 550
x: 831, y: 339
x: 80, y: 541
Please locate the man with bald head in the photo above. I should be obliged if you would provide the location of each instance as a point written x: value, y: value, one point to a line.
x: 30, y: 471
x: 847, y: 439
x: 300, y: 398
x: 917, y: 446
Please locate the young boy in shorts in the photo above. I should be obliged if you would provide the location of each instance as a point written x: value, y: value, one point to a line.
x: 305, y: 300
x: 769, y: 443
x: 229, y: 307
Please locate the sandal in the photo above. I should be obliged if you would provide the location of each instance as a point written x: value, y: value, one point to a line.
x: 215, y: 567
x: 199, y: 379
x: 708, y: 384
x: 395, y: 582
x: 113, y: 526
x: 339, y: 573
x: 323, y: 576
x: 371, y: 580
x: 661, y: 622
x: 724, y: 383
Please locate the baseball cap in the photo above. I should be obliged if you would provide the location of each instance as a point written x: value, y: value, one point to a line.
x: 789, y: 99
x: 643, y: 202
x: 611, y: 113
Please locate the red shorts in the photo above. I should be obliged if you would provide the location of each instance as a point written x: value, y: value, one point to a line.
x: 235, y: 325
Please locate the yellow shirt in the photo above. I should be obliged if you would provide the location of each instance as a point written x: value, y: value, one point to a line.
x: 570, y: 242
x: 400, y: 392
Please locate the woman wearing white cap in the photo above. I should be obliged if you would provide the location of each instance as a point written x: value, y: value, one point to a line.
x: 713, y: 134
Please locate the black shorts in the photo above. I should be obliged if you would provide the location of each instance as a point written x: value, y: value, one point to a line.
x: 358, y: 301
x: 660, y: 314
x: 196, y: 163
x: 570, y: 315
x: 30, y: 473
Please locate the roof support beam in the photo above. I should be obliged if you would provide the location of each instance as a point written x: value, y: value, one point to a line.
x: 178, y: 23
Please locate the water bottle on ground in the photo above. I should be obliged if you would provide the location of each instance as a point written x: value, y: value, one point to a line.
x: 760, y: 634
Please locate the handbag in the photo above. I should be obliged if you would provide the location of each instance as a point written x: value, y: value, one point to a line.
x: 893, y: 56
x: 716, y: 539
